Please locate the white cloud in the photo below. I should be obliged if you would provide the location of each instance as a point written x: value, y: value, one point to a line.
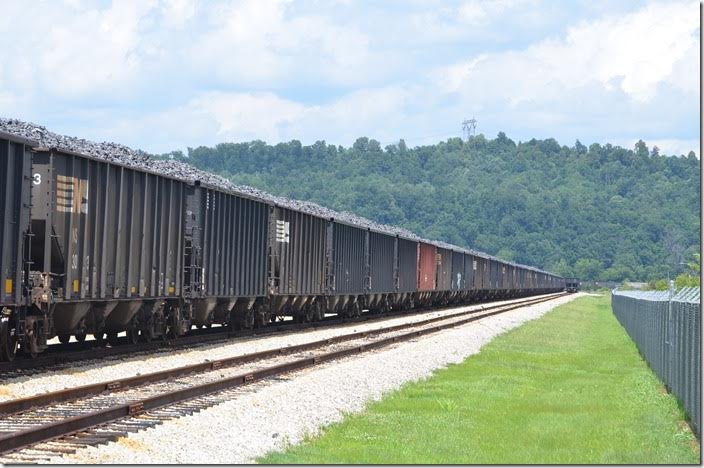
x: 476, y: 12
x: 668, y: 146
x: 262, y: 44
x: 73, y: 49
x: 162, y: 74
x: 621, y: 75
x: 213, y: 117
x: 634, y: 53
x: 176, y: 13
x: 245, y: 116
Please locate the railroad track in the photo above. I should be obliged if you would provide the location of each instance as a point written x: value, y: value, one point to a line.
x: 58, y: 357
x: 40, y: 427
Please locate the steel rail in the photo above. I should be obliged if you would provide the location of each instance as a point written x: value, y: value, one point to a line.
x: 16, y: 440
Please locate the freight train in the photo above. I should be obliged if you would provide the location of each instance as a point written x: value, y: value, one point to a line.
x: 92, y: 246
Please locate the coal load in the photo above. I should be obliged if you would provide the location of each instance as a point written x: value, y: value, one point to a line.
x: 112, y: 152
x: 121, y: 154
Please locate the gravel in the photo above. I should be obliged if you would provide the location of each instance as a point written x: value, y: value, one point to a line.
x: 269, y: 415
x: 117, y: 153
x: 102, y: 370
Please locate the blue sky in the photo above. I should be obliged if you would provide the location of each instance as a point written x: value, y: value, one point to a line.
x: 163, y: 75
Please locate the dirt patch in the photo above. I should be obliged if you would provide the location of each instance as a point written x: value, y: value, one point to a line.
x: 132, y: 444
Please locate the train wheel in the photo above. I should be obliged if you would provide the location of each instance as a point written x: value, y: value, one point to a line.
x: 30, y: 347
x: 132, y: 335
x: 309, y: 314
x: 248, y: 319
x: 146, y: 334
x: 63, y: 339
x: 112, y: 338
x: 173, y: 323
x: 100, y: 339
x: 260, y: 316
x: 8, y: 342
x: 232, y: 323
x: 163, y: 330
x: 80, y: 337
x: 318, y: 314
x: 356, y: 310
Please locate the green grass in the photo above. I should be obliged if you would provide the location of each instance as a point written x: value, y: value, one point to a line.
x: 568, y: 388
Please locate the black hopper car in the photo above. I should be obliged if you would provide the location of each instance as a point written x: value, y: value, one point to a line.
x: 91, y: 246
x: 572, y: 285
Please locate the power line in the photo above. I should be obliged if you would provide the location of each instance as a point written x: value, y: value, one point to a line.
x: 469, y: 127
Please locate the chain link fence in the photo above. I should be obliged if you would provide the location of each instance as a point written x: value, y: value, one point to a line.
x: 666, y: 327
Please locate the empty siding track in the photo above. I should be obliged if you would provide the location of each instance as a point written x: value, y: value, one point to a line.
x: 61, y: 356
x: 44, y: 426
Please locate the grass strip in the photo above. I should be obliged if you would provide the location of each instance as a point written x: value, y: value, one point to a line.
x: 570, y: 387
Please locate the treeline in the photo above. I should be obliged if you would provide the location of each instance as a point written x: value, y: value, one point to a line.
x: 599, y: 213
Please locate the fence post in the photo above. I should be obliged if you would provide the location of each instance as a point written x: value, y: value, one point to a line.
x: 670, y: 339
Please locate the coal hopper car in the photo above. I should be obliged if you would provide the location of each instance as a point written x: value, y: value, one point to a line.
x: 92, y: 246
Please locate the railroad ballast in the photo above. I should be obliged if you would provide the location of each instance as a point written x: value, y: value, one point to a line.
x: 99, y: 239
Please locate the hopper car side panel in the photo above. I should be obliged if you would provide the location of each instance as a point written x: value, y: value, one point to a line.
x: 458, y: 271
x: 349, y: 259
x: 407, y: 265
x: 427, y: 266
x: 15, y: 182
x: 382, y: 262
x: 230, y: 243
x: 298, y: 244
x: 493, y: 274
x: 469, y: 271
x: 107, y: 232
x: 444, y: 270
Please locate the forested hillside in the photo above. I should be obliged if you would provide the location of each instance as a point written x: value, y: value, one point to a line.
x: 602, y: 212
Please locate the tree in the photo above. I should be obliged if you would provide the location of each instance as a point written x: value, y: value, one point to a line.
x: 402, y: 148
x: 641, y: 149
x: 506, y: 254
x: 361, y: 144
x: 687, y: 281
x: 588, y: 268
x: 603, y: 214
x: 695, y: 264
x: 562, y: 268
x: 691, y: 278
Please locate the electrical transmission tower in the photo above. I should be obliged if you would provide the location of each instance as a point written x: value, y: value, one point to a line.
x: 469, y: 127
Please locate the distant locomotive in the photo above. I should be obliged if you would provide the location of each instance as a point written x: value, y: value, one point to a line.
x: 90, y: 246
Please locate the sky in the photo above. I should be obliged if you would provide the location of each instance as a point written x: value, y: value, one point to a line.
x: 163, y: 75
